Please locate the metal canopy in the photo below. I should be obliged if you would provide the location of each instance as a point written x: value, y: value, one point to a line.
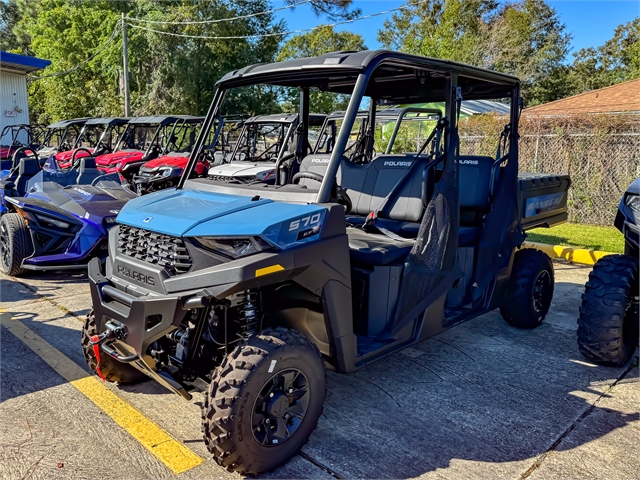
x: 314, y: 118
x: 397, y: 78
x: 67, y: 123
x: 164, y: 119
x: 108, y: 121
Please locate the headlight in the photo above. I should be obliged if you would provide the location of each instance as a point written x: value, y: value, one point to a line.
x: 234, y: 247
x: 633, y: 202
x: 166, y: 172
x: 52, y: 221
x: 110, y: 220
x: 118, y: 165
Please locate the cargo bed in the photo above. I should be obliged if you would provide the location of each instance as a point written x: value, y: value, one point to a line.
x: 543, y: 199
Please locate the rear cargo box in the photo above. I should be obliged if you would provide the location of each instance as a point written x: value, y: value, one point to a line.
x: 543, y: 199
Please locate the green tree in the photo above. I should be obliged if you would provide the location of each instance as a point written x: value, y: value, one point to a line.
x: 616, y: 61
x: 523, y: 38
x: 168, y: 74
x: 317, y: 42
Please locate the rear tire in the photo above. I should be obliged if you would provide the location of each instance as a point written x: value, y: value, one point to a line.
x: 113, y: 371
x: 530, y: 289
x: 264, y: 401
x: 15, y: 243
x: 608, y: 321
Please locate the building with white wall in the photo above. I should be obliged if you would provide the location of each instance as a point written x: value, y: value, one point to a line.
x: 14, y: 107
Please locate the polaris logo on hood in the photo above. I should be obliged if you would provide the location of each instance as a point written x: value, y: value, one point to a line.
x: 396, y: 164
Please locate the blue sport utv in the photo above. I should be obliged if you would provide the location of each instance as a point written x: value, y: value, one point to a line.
x: 248, y: 291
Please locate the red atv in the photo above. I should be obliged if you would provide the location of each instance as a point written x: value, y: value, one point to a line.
x: 144, y: 139
x: 97, y: 137
x: 164, y: 172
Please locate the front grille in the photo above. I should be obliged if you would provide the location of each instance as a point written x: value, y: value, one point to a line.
x: 236, y: 179
x: 155, y: 248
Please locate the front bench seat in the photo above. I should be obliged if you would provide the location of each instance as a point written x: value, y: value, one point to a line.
x: 367, y: 249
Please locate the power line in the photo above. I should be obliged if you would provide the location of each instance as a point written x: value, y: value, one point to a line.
x: 290, y: 32
x: 219, y: 20
x: 82, y: 64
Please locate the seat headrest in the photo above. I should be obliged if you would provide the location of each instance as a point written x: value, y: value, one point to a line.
x: 87, y: 162
x: 28, y: 166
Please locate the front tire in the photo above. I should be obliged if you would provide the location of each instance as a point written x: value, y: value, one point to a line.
x: 113, y: 370
x: 530, y: 289
x: 264, y: 401
x: 15, y: 243
x: 608, y: 321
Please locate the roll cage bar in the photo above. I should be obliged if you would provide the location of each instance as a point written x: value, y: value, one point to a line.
x: 385, y: 77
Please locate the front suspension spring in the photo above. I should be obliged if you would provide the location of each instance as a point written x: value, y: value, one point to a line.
x: 248, y: 318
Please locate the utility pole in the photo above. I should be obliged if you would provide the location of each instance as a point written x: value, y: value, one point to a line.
x: 125, y: 59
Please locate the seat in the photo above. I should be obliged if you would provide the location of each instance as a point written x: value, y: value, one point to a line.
x: 28, y: 168
x: 475, y: 187
x: 86, y: 170
x: 369, y: 249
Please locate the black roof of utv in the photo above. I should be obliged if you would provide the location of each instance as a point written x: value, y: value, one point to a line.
x: 399, y: 78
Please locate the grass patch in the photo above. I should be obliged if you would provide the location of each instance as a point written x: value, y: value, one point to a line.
x: 606, y: 239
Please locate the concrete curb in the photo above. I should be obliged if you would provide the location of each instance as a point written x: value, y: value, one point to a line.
x: 569, y: 254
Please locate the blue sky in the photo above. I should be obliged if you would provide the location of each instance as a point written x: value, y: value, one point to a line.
x: 591, y: 23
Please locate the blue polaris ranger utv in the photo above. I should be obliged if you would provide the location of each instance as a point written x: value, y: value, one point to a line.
x: 252, y: 289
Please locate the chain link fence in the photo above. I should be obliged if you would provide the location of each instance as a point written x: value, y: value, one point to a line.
x: 600, y: 152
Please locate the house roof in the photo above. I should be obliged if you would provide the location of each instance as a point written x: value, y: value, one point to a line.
x: 622, y: 97
x: 22, y: 62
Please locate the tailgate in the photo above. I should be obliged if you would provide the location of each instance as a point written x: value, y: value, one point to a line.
x: 543, y: 199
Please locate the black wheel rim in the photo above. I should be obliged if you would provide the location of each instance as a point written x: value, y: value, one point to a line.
x: 5, y: 250
x: 541, y: 290
x: 280, y: 407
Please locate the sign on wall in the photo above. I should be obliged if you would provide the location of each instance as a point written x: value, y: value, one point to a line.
x: 9, y: 113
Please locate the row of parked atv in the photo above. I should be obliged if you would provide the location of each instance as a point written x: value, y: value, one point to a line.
x: 279, y: 246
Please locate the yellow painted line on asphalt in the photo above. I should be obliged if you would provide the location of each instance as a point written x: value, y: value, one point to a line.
x: 570, y: 254
x: 163, y: 446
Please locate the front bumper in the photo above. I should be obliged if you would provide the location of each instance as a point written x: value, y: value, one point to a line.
x: 144, y: 319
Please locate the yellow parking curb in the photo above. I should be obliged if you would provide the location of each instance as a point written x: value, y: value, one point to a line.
x: 570, y: 254
x: 177, y: 457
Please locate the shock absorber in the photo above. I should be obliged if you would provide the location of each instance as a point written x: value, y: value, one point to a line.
x: 248, y: 314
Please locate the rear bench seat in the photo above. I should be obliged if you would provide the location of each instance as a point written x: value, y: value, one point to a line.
x: 367, y: 185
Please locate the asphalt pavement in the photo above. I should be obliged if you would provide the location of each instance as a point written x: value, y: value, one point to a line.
x: 482, y: 400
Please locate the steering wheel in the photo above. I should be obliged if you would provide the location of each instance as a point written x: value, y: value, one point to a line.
x: 101, y: 149
x: 15, y: 159
x: 76, y: 163
x: 95, y: 180
x: 310, y: 175
x: 343, y: 198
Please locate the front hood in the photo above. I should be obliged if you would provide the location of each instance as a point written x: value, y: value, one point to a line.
x: 165, y: 161
x: 174, y: 212
x: 82, y: 201
x: 122, y: 156
x: 242, y: 169
x: 66, y: 156
x: 46, y: 152
x: 88, y: 194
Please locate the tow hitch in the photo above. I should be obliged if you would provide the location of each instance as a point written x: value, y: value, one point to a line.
x: 103, y: 342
